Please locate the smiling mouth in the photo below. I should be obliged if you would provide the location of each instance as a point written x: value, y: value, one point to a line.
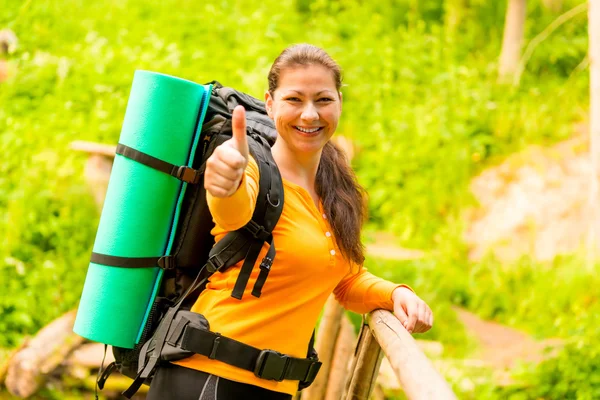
x: 309, y: 131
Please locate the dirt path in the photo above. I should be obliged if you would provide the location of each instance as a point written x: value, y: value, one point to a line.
x: 502, y: 347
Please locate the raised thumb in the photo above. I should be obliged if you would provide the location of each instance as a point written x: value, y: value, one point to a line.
x: 238, y: 127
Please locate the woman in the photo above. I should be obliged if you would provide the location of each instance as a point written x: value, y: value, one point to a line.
x: 317, y: 237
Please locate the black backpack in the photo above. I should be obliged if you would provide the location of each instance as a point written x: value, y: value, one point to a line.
x: 172, y: 332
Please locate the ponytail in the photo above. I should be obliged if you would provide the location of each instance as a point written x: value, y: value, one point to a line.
x: 343, y: 201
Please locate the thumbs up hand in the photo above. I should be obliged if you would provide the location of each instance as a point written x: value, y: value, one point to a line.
x: 225, y: 167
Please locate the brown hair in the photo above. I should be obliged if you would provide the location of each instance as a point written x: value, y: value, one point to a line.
x: 336, y: 183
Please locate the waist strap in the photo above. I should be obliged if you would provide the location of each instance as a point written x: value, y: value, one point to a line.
x: 266, y: 364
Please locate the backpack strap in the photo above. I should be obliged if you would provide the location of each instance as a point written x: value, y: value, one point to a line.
x: 269, y: 206
x: 183, y: 172
x: 265, y: 268
x: 273, y: 209
x: 164, y: 262
x: 246, y: 270
x: 266, y: 364
x: 153, y: 347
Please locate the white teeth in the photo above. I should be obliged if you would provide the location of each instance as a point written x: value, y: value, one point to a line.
x: 308, y: 130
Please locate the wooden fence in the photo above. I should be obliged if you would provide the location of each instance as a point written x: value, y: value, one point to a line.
x: 351, y: 366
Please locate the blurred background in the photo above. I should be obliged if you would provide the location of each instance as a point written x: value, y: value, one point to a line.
x: 469, y: 123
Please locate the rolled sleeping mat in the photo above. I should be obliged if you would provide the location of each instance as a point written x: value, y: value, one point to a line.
x: 163, y: 119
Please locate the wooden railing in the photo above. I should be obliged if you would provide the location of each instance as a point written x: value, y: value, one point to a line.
x: 416, y: 374
x: 350, y: 365
x: 352, y: 375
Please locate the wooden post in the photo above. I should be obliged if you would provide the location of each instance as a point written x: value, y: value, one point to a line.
x: 325, y: 346
x: 594, y: 55
x: 365, y: 367
x: 416, y: 374
x: 342, y: 360
x: 97, y: 168
x: 512, y: 41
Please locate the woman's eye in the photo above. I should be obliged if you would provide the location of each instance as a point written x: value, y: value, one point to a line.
x: 292, y: 99
x: 325, y: 100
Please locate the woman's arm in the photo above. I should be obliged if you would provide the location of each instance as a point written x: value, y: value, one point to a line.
x: 364, y: 292
x: 233, y: 212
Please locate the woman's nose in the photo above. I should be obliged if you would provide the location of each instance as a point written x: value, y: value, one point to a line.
x: 309, y: 113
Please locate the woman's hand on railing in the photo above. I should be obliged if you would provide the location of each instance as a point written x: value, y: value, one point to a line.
x: 414, y: 314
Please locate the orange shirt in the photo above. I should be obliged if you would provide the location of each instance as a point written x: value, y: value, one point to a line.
x: 307, y: 268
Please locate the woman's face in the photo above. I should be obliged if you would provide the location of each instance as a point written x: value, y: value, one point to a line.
x: 306, y: 107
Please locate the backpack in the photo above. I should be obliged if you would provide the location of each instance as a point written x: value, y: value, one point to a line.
x: 172, y: 332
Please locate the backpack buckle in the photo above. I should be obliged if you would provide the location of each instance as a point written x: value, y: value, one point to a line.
x: 105, y: 374
x: 257, y: 231
x: 213, y: 264
x: 167, y: 263
x: 266, y: 263
x: 188, y: 174
x: 215, y: 347
x: 311, y: 374
x: 271, y: 365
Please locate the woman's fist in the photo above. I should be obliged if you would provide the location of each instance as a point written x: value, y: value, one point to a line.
x: 225, y: 167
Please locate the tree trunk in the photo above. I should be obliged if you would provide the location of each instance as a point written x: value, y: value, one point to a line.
x: 594, y: 55
x: 28, y: 368
x: 512, y: 41
x: 6, y: 358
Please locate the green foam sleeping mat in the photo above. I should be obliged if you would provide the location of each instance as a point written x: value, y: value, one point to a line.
x: 163, y: 119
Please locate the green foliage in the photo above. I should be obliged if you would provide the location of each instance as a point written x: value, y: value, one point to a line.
x: 420, y: 101
x: 45, y: 242
x: 574, y: 374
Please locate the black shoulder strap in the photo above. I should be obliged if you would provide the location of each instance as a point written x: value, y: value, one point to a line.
x: 269, y: 205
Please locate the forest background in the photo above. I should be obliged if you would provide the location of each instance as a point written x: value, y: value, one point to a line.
x: 423, y: 105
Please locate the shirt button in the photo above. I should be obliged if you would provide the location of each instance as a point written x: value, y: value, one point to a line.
x: 328, y: 234
x: 324, y: 216
x: 332, y: 252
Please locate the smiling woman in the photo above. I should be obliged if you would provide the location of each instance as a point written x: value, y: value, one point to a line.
x: 317, y: 238
x: 305, y: 92
x: 306, y: 108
